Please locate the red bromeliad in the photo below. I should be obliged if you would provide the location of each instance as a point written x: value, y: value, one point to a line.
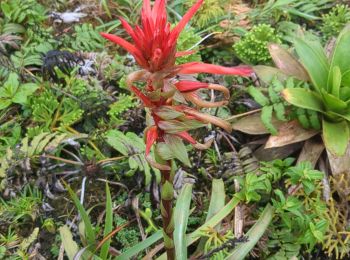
x: 166, y: 98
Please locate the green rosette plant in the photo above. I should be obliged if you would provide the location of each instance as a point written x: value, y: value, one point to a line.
x: 330, y: 92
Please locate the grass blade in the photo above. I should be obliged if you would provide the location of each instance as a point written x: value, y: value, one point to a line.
x: 217, y: 202
x: 133, y: 251
x: 108, y: 223
x: 89, y: 230
x: 254, y: 234
x: 181, y: 213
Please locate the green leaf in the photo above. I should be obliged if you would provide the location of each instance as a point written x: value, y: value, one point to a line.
x: 341, y: 54
x: 315, y: 61
x: 90, y: 233
x: 167, y: 113
x: 139, y: 247
x: 336, y: 136
x: 108, y: 224
x: 337, y: 79
x: 346, y: 79
x: 4, y: 103
x: 258, y: 96
x: 254, y: 234
x: 167, y: 192
x: 303, y: 98
x: 333, y: 103
x: 217, y: 202
x: 266, y: 118
x: 70, y: 246
x: 177, y: 147
x: 181, y: 214
x: 23, y: 92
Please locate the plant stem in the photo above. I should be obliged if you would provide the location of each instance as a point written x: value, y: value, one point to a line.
x: 166, y: 208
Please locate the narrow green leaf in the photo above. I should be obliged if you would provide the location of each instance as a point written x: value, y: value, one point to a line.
x: 90, y: 233
x: 191, y: 238
x: 346, y: 79
x: 254, y: 234
x: 136, y: 249
x: 181, y: 214
x: 341, y: 54
x: 337, y: 79
x: 303, y: 98
x: 266, y: 118
x: 108, y: 223
x: 315, y: 61
x: 336, y: 136
x: 217, y: 202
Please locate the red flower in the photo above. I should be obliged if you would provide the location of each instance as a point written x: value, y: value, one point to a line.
x: 154, y: 46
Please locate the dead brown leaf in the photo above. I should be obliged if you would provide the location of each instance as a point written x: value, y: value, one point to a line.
x: 252, y: 125
x: 289, y: 133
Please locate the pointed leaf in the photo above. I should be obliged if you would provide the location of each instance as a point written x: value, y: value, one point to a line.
x: 314, y: 60
x: 254, y: 234
x: 333, y: 103
x: 70, y: 246
x: 178, y: 148
x: 341, y: 54
x: 303, y: 98
x: 181, y: 215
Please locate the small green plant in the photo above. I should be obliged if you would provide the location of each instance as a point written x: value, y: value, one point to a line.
x: 132, y: 147
x: 23, y: 208
x: 188, y: 39
x: 89, y: 234
x: 14, y: 92
x: 334, y: 21
x: 272, y: 103
x: 23, y: 11
x: 210, y: 11
x: 86, y: 38
x: 252, y: 48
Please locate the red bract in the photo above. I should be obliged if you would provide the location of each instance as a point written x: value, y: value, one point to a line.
x: 154, y: 45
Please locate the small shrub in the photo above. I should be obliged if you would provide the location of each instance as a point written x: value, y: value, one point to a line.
x: 252, y: 48
x: 335, y: 20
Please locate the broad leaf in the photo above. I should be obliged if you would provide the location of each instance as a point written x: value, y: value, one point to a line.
x: 315, y: 61
x: 177, y: 147
x: 303, y: 98
x: 287, y: 63
x: 70, y: 246
x: 336, y: 136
